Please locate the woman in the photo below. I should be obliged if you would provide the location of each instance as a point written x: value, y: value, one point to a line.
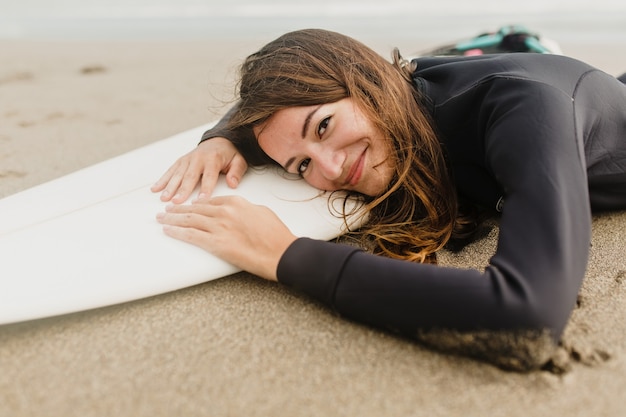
x: 539, y: 138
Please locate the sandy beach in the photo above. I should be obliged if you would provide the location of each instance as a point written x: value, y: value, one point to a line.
x: 240, y: 346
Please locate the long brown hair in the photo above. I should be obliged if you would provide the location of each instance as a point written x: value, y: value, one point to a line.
x: 416, y: 216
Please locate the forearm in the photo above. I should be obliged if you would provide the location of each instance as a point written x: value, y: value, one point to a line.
x: 399, y: 295
x: 461, y: 311
x: 242, y: 137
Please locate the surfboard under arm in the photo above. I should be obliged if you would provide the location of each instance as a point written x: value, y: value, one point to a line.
x: 90, y: 239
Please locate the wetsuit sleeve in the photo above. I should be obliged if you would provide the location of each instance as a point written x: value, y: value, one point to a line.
x: 531, y: 282
x: 243, y: 138
x: 221, y: 128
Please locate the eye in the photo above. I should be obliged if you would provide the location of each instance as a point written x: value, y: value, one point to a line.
x: 303, y: 166
x: 321, y: 128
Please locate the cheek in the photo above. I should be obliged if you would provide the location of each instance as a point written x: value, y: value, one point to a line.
x: 384, y: 166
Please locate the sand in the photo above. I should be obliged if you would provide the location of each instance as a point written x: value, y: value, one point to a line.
x: 240, y: 346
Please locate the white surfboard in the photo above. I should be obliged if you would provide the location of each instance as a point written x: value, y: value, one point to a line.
x: 90, y: 239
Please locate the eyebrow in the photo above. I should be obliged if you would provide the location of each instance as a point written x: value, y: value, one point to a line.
x: 305, y: 127
x: 307, y: 120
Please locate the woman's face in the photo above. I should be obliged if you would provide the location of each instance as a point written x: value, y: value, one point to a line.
x: 332, y: 146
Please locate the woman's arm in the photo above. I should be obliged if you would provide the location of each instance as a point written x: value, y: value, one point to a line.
x: 532, y: 281
x: 221, y: 128
x: 243, y: 138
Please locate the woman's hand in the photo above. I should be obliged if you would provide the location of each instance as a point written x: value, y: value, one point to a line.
x: 203, y: 164
x: 248, y: 236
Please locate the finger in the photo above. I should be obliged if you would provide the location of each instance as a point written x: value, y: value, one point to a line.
x: 210, y: 204
x: 183, y: 208
x: 188, y: 235
x: 165, y: 178
x: 209, y: 207
x: 175, y: 180
x: 188, y: 181
x: 209, y: 180
x: 236, y: 170
x: 185, y: 219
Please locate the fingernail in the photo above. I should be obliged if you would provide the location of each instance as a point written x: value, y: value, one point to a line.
x: 165, y: 194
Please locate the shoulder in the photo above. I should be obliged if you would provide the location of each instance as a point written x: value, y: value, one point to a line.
x: 556, y: 70
x: 498, y: 63
x: 470, y: 81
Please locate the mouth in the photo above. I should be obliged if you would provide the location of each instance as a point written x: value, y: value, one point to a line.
x: 356, y: 170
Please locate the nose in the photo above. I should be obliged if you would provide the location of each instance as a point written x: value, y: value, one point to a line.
x: 329, y: 162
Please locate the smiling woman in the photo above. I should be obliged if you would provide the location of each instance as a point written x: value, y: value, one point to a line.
x: 541, y: 139
x: 343, y: 151
x: 314, y: 68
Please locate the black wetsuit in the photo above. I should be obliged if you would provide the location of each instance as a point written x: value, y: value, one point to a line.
x: 541, y: 137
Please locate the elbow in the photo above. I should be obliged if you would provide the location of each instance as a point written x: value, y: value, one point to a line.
x: 542, y: 315
x: 539, y: 302
x: 521, y: 330
x: 513, y: 350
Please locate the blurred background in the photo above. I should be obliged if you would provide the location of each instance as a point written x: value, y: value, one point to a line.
x: 564, y: 20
